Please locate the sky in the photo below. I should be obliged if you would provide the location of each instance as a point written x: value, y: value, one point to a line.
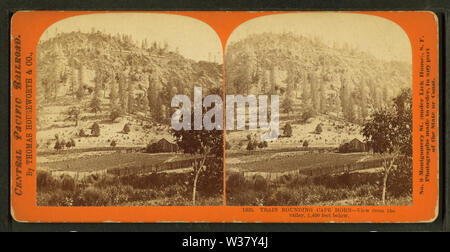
x: 193, y: 38
x: 198, y: 41
x: 380, y: 37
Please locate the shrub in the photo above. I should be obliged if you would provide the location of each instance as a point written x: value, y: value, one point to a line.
x: 236, y: 183
x: 45, y: 181
x: 93, y: 197
x: 63, y: 144
x: 305, y: 144
x: 400, y: 179
x: 82, y: 133
x: 285, y: 179
x: 246, y: 198
x: 68, y: 144
x: 344, y: 180
x: 283, y: 196
x: 58, y: 145
x: 126, y: 128
x: 95, y: 129
x: 318, y: 129
x: 297, y: 181
x: 113, y: 143
x: 106, y: 181
x: 95, y: 105
x: 72, y: 142
x: 67, y: 183
x: 287, y: 130
x: 173, y: 190
x: 260, y: 183
x: 114, y: 115
x: 370, y: 191
x: 261, y: 145
x: 210, y: 181
x: 251, y: 145
x: 60, y: 198
x: 306, y: 115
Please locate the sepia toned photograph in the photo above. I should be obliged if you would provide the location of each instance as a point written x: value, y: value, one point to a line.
x: 104, y: 93
x: 225, y: 117
x: 337, y: 90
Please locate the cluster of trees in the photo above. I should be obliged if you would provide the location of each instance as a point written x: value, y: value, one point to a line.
x: 207, y: 166
x: 253, y: 143
x: 389, y: 132
x: 95, y: 131
x: 153, y: 96
x: 50, y: 79
x: 61, y: 143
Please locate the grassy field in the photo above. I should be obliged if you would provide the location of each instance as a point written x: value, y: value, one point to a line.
x: 292, y: 161
x: 109, y: 161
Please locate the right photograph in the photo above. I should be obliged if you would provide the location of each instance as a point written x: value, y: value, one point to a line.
x: 318, y: 111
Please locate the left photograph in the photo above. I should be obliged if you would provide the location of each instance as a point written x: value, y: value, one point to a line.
x: 106, y: 99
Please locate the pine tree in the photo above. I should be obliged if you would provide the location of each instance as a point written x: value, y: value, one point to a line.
x: 265, y: 84
x: 74, y: 81
x: 80, y: 88
x: 272, y: 79
x: 287, y: 105
x: 318, y: 129
x: 98, y: 83
x: 322, y: 98
x: 95, y: 105
x: 305, y: 84
x: 363, y: 104
x: 123, y: 96
x: 131, y: 101
x: 113, y: 95
x: 154, y: 95
x: 287, y: 130
x: 345, y: 97
x: 315, y: 98
x: 95, y: 130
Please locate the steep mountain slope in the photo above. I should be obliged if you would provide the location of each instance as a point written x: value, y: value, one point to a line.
x: 341, y: 81
x: 97, y: 61
x: 111, y: 81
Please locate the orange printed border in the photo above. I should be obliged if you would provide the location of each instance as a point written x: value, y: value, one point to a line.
x: 31, y: 24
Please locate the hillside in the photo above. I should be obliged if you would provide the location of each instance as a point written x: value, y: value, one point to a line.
x: 312, y: 76
x: 111, y: 80
x: 103, y: 55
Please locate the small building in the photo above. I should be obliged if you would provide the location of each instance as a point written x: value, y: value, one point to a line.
x: 354, y: 145
x: 162, y: 146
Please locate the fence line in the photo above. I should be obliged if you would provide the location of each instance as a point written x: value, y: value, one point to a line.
x: 145, y: 169
x: 136, y: 168
x: 92, y: 149
x: 319, y: 171
x: 333, y: 169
